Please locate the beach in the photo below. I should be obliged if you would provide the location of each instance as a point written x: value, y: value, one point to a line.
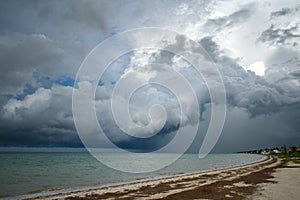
x: 260, y: 180
x: 284, y: 184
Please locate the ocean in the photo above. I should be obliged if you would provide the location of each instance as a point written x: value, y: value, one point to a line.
x: 37, y: 173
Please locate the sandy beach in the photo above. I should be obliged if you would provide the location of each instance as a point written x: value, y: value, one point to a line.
x: 268, y: 179
x: 284, y: 184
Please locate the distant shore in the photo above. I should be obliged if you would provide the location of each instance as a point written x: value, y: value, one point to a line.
x: 233, y: 183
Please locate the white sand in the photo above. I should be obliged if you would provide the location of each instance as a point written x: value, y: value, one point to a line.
x: 286, y: 188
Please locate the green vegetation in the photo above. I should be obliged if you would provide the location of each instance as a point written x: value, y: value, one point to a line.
x: 293, y: 157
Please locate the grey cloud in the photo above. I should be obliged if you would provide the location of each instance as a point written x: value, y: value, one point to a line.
x: 246, y: 90
x: 283, y: 12
x: 140, y: 105
x: 57, y: 18
x: 227, y: 21
x: 79, y: 14
x: 21, y: 54
x: 93, y: 15
x: 280, y: 36
x: 273, y: 130
x: 31, y: 50
x: 51, y: 38
x: 281, y: 66
x: 263, y: 131
x: 295, y: 74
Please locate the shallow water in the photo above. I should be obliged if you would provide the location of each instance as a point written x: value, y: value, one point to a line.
x: 30, y: 173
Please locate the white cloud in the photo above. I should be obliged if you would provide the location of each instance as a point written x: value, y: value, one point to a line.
x: 257, y: 67
x: 33, y: 104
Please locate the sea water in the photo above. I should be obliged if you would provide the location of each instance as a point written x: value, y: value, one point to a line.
x: 37, y: 173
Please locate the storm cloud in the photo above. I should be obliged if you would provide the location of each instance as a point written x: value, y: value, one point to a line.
x: 254, y: 45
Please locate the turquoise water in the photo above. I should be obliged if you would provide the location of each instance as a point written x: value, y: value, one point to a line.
x: 31, y: 173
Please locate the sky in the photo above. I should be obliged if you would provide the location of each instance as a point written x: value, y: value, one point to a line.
x: 253, y: 44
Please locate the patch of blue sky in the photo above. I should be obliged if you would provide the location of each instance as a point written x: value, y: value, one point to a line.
x: 44, y: 81
x: 47, y: 81
x: 65, y: 80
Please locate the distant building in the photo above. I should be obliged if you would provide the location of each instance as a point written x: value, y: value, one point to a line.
x: 276, y: 151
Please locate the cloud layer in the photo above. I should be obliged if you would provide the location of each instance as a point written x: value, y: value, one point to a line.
x: 42, y: 45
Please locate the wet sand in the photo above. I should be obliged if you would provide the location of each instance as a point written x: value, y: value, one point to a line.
x: 235, y: 183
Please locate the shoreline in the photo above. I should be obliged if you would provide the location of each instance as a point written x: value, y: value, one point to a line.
x: 162, y: 187
x: 47, y: 193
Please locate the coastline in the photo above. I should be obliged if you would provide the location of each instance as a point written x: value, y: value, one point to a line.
x: 173, y: 187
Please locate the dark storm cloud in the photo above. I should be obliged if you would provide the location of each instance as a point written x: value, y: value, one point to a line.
x: 41, y: 41
x: 162, y: 138
x: 279, y: 36
x: 264, y: 131
x: 40, y: 138
x: 31, y: 121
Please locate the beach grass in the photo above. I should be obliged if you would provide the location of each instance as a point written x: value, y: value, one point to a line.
x: 293, y: 157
